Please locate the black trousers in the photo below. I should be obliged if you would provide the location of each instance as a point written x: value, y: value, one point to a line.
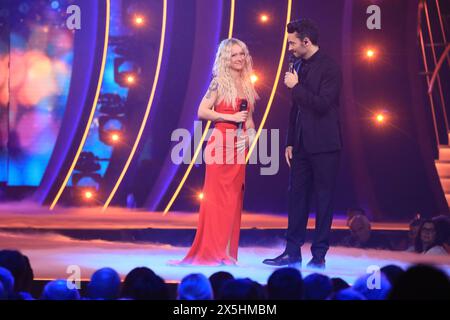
x: 311, y: 173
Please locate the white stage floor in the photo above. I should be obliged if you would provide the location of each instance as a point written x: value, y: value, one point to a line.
x: 51, y: 254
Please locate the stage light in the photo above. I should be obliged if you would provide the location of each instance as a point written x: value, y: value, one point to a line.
x: 380, y: 118
x: 131, y: 79
x: 85, y: 195
x: 86, y: 180
x: 370, y: 53
x: 115, y: 137
x: 139, y: 20
x: 264, y: 18
x: 126, y: 72
x: 253, y: 78
x: 200, y: 196
x: 110, y: 121
x: 110, y: 129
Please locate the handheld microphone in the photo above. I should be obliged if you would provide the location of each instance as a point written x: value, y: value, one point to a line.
x: 242, y: 107
x: 291, y: 63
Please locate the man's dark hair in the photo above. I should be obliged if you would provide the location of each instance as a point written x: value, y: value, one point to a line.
x: 305, y: 28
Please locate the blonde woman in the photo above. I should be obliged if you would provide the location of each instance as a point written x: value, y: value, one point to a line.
x: 217, y: 237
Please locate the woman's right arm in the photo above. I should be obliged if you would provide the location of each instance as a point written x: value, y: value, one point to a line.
x: 206, y: 112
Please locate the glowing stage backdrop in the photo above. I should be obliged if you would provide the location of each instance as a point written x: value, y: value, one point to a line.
x: 40, y: 55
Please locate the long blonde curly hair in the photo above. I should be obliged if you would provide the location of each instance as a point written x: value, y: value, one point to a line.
x: 221, y: 73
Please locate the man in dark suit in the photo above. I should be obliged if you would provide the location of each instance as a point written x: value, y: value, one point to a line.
x: 313, y: 143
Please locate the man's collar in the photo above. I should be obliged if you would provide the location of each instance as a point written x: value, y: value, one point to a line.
x: 312, y: 58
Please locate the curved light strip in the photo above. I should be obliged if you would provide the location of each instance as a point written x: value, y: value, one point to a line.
x: 205, y: 132
x: 274, y: 88
x: 147, y: 111
x: 232, y: 9
x: 91, y: 115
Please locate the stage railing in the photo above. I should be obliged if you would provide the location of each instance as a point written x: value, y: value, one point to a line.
x: 435, y: 49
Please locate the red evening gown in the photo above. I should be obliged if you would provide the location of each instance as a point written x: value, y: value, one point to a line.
x: 217, y: 237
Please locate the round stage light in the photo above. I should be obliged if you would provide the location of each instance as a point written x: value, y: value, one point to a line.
x: 115, y: 137
x: 380, y: 118
x: 200, y: 196
x: 264, y: 18
x: 131, y: 79
x: 253, y: 78
x: 139, y: 20
x: 88, y: 195
x: 370, y: 53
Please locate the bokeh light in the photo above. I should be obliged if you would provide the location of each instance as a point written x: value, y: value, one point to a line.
x: 264, y: 18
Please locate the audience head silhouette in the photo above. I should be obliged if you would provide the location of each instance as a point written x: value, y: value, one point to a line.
x: 60, y: 290
x: 143, y: 284
x: 195, y: 287
x: 104, y: 284
x: 285, y: 284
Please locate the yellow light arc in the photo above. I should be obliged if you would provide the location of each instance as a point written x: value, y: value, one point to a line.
x: 93, y: 108
x: 205, y: 132
x: 274, y: 88
x: 147, y: 111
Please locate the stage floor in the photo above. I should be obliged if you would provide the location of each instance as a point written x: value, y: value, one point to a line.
x: 51, y: 254
x: 38, y: 233
x: 19, y: 215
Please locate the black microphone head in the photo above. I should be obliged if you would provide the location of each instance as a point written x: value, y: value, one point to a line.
x: 292, y: 58
x: 243, y: 105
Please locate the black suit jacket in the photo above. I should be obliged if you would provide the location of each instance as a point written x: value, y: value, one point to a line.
x: 314, y: 113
